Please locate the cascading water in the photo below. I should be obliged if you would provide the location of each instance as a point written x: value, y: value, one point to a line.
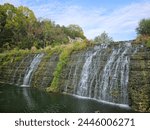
x: 105, y: 73
x: 87, y: 71
x: 114, y: 80
x: 33, y: 66
x: 83, y: 84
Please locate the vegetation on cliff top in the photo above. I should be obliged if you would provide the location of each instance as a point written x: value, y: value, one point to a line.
x: 103, y: 38
x: 143, y: 31
x: 19, y: 28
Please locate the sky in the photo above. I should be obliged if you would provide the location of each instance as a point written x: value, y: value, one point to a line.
x: 118, y: 18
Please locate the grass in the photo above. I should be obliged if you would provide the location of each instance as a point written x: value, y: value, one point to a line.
x: 143, y: 40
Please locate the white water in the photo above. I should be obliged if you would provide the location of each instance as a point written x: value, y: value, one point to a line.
x: 33, y: 66
x: 84, y: 88
x: 115, y: 76
x: 105, y: 73
x: 83, y: 84
x: 101, y: 101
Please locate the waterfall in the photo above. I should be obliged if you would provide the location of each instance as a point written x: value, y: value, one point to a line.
x: 83, y: 84
x: 114, y: 80
x: 104, y: 74
x: 88, y: 71
x: 32, y: 68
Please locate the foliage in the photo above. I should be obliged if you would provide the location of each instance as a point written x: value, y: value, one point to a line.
x: 19, y: 28
x: 148, y: 43
x: 144, y: 27
x: 102, y: 39
x: 143, y: 32
x: 75, y: 31
x: 63, y: 59
x: 12, y: 56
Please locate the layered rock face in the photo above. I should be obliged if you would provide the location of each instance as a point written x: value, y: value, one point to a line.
x: 139, y: 81
x: 36, y: 72
x: 118, y: 73
x: 101, y: 73
x: 13, y: 68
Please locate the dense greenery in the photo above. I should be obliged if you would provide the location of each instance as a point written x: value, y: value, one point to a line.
x: 144, y: 27
x: 102, y: 39
x: 143, y: 31
x: 19, y: 28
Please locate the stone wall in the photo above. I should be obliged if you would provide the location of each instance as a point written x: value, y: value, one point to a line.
x: 71, y: 73
x: 43, y: 76
x: 13, y: 67
x: 139, y: 81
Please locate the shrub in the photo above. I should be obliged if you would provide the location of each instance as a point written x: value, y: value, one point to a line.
x: 148, y: 43
x: 103, y: 39
x: 144, y: 27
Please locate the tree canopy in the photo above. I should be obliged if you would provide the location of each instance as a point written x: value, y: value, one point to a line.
x: 103, y: 38
x: 19, y: 28
x: 144, y: 27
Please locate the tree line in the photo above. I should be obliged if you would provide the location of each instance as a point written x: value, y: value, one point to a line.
x: 143, y: 31
x: 19, y: 28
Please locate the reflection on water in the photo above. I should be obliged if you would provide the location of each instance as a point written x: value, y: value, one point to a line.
x: 25, y: 99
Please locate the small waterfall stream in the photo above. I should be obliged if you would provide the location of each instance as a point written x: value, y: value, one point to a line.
x: 33, y: 66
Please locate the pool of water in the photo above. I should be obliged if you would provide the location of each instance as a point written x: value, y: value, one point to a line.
x: 14, y: 99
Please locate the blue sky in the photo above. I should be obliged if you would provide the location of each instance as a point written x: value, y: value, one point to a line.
x: 118, y: 18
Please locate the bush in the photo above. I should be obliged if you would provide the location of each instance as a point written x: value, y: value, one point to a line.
x: 103, y: 39
x: 144, y: 27
x: 148, y: 43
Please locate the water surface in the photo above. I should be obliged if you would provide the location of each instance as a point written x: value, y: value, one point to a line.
x: 14, y: 99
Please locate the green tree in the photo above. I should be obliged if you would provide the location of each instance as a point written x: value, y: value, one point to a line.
x: 75, y: 31
x: 7, y: 24
x: 76, y: 28
x: 19, y: 28
x: 28, y: 22
x: 103, y: 38
x: 144, y: 27
x: 16, y: 26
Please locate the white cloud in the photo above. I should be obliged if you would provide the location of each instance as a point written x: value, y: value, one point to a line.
x: 120, y: 23
x: 14, y: 2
